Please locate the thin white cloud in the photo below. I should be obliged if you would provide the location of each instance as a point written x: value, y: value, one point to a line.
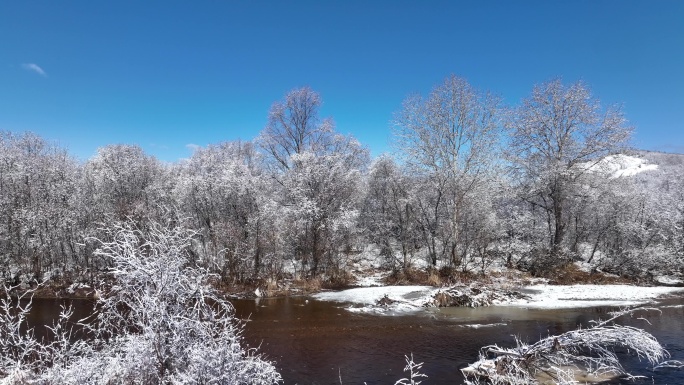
x: 34, y: 68
x: 193, y: 147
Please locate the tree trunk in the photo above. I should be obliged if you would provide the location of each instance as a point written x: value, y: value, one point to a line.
x: 559, y: 232
x: 559, y: 225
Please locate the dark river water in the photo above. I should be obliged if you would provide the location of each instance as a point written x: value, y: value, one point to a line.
x: 314, y: 342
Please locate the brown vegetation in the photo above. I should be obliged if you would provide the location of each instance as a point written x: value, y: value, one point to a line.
x: 571, y: 274
x: 407, y: 276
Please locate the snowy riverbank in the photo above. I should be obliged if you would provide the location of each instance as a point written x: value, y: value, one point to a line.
x: 398, y: 299
x: 367, y: 299
x: 573, y: 296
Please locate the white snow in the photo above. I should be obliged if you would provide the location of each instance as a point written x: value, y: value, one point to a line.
x: 413, y: 298
x: 364, y: 299
x: 666, y: 280
x: 374, y: 279
x: 369, y: 258
x: 621, y: 165
x: 571, y: 296
x: 75, y: 286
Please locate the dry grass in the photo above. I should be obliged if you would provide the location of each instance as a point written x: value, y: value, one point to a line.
x: 453, y: 275
x: 433, y: 278
x: 340, y: 279
x: 408, y: 276
x: 309, y: 285
x: 445, y: 276
x: 271, y: 288
x: 570, y: 274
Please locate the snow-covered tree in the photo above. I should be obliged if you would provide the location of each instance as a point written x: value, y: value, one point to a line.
x: 223, y: 190
x: 320, y: 205
x: 294, y: 126
x: 555, y: 137
x: 317, y: 175
x: 450, y: 141
x: 388, y: 212
x: 38, y: 183
x: 117, y: 180
x: 642, y: 236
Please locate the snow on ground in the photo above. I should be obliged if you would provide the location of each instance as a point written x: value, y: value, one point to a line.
x: 393, y: 300
x: 368, y: 259
x: 366, y: 268
x: 622, y: 165
x: 365, y: 299
x: 669, y: 281
x: 75, y: 286
x: 367, y: 280
x: 572, y: 296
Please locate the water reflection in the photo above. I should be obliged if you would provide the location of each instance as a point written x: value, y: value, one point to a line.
x: 45, y: 312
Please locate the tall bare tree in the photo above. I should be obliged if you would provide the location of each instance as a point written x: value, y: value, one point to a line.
x: 294, y: 126
x: 317, y: 173
x: 451, y: 138
x: 388, y: 213
x: 556, y: 136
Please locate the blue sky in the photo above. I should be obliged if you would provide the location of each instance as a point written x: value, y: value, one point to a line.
x: 165, y: 74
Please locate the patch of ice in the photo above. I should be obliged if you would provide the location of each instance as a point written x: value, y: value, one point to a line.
x: 403, y: 299
x: 571, y: 296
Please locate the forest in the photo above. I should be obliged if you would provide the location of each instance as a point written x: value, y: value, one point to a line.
x: 471, y: 182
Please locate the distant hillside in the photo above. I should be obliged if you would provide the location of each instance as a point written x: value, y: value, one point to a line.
x: 663, y: 159
x: 667, y: 176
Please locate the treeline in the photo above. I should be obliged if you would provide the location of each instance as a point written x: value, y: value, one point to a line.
x: 473, y: 182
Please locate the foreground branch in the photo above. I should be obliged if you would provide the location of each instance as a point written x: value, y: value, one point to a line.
x: 583, y: 355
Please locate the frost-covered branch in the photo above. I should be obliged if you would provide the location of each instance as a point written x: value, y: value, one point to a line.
x: 18, y: 345
x: 413, y: 369
x: 583, y: 354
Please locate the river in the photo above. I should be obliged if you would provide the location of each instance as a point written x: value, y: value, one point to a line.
x: 314, y: 342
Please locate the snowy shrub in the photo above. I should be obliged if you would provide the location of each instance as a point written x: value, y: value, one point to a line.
x: 577, y: 356
x: 160, y: 322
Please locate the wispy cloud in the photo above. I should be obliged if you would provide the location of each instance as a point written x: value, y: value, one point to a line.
x: 34, y: 68
x: 192, y: 147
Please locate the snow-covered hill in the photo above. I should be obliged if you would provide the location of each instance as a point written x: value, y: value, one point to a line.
x: 667, y: 176
x: 650, y: 166
x: 622, y: 165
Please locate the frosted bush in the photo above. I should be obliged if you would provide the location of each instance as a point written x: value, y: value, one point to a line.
x: 577, y: 356
x: 159, y: 322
